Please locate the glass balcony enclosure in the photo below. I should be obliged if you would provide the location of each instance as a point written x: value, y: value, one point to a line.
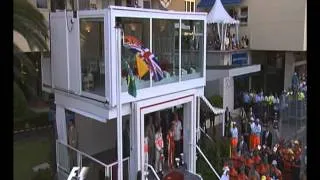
x: 176, y: 39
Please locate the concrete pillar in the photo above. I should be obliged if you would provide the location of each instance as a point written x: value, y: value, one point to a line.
x: 288, y: 69
x: 135, y: 143
x: 61, y: 124
x: 228, y: 93
x: 189, y: 134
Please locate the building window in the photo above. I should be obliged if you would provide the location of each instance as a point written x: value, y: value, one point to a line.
x: 92, y: 55
x: 42, y: 4
x: 192, y: 37
x: 189, y: 5
x: 243, y: 17
x: 146, y: 4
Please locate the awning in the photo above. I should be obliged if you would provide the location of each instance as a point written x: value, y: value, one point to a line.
x: 218, y: 72
x: 210, y: 3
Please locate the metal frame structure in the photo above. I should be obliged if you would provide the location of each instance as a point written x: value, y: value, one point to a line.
x: 116, y: 104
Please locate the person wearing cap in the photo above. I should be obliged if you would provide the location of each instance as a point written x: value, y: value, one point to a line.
x: 242, y: 175
x: 234, y: 135
x: 249, y: 161
x: 263, y: 168
x: 275, y: 173
x: 233, y: 173
x: 253, y: 173
x: 225, y: 175
x: 256, y: 158
x: 256, y: 132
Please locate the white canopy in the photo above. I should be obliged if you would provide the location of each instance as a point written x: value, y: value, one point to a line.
x: 219, y: 15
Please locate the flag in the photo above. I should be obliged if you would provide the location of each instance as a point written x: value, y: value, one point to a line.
x: 142, y: 67
x: 149, y: 58
x: 132, y: 89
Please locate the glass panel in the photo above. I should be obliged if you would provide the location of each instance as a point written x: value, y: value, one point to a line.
x: 138, y: 31
x: 92, y: 55
x: 192, y: 49
x: 192, y: 6
x: 165, y: 46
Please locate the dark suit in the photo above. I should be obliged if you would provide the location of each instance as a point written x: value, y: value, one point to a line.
x: 267, y: 140
x: 242, y: 147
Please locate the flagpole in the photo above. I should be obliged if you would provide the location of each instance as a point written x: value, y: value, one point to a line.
x: 119, y: 106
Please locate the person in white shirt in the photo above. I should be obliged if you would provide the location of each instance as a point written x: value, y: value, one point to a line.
x: 234, y: 135
x: 256, y: 133
x: 177, y: 134
x: 225, y: 175
x: 159, y: 150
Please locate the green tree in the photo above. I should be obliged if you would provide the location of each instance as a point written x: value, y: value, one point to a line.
x: 32, y: 25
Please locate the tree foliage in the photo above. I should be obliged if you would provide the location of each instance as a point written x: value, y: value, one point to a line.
x: 31, y: 24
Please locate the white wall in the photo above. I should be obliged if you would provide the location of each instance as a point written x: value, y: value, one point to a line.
x: 277, y: 25
x: 94, y: 136
x: 213, y: 88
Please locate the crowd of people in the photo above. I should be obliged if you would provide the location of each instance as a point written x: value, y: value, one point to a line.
x: 163, y: 144
x: 254, y: 153
x: 231, y: 42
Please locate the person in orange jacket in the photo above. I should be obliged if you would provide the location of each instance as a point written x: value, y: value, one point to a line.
x: 256, y: 133
x: 233, y: 173
x: 171, y: 147
x: 263, y: 168
x: 234, y: 135
x: 256, y: 158
x: 242, y: 175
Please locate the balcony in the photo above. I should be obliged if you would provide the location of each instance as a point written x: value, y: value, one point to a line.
x: 84, y: 50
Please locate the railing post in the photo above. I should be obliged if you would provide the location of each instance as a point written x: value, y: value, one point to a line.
x: 79, y: 160
x: 106, y: 172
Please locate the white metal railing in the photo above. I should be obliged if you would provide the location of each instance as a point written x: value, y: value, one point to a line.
x: 68, y: 150
x: 110, y: 167
x: 207, y: 161
x: 202, y: 130
x: 153, y: 171
x: 214, y: 110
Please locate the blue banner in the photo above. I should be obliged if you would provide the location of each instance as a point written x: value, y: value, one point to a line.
x: 240, y: 58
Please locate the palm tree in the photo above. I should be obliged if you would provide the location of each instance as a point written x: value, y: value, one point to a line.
x: 31, y: 24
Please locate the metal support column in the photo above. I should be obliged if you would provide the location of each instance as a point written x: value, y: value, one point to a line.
x: 119, y: 106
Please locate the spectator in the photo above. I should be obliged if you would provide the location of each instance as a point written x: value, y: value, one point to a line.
x: 242, y: 147
x: 177, y: 134
x: 267, y: 138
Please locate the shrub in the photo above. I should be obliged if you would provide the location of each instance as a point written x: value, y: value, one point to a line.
x: 216, y: 101
x: 216, y: 153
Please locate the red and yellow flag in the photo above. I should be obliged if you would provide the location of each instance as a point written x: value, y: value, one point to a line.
x: 142, y: 67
